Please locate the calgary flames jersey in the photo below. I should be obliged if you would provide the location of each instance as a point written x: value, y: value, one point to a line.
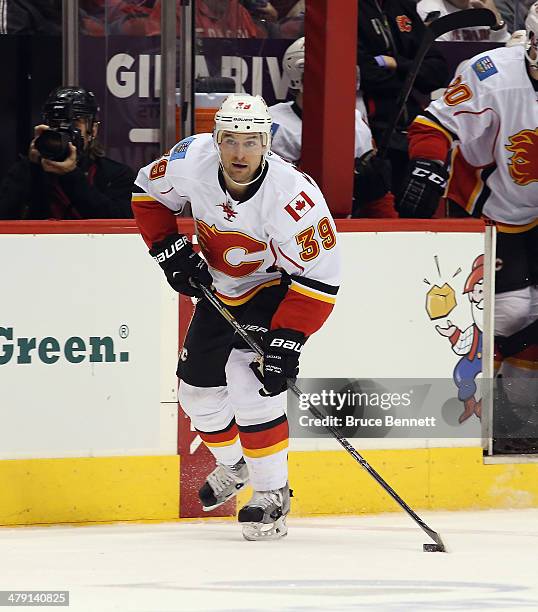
x: 489, y: 116
x: 283, y: 224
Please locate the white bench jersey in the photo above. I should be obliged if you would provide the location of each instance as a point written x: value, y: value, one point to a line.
x: 287, y: 132
x: 489, y: 113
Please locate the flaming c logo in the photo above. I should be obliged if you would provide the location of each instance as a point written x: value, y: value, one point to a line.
x: 523, y: 165
x: 404, y: 23
x: 217, y: 247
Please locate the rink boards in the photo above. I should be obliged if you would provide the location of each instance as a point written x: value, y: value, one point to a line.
x: 89, y: 337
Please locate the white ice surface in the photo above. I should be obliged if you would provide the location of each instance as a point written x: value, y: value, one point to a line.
x: 360, y: 563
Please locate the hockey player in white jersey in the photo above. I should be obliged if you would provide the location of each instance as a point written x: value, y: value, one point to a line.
x: 488, y: 120
x: 372, y: 196
x: 272, y: 257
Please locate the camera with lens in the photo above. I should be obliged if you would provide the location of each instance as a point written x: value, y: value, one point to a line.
x: 53, y: 143
x: 63, y: 107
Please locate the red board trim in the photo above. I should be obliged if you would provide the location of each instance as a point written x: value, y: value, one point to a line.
x: 186, y: 226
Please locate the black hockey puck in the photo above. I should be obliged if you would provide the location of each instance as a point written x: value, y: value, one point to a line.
x: 433, y: 548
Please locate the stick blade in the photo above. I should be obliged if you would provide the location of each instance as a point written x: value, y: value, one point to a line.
x: 439, y: 545
x: 468, y: 18
x: 433, y: 548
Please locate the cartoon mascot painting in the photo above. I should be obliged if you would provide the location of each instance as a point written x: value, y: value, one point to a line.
x: 468, y: 343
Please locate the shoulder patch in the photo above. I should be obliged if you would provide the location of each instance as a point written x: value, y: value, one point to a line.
x: 180, y: 150
x: 299, y: 206
x: 274, y: 128
x: 484, y: 68
x: 158, y: 170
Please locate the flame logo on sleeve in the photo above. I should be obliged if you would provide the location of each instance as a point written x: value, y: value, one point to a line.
x: 523, y: 164
x: 223, y: 250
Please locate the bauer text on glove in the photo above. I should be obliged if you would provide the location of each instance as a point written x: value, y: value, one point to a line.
x: 181, y: 265
x: 281, y: 351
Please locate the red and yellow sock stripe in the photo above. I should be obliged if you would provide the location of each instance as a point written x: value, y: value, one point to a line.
x: 224, y: 437
x: 264, y: 439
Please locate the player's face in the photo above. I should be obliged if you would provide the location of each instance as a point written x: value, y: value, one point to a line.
x: 241, y: 155
x: 533, y: 53
x: 533, y: 47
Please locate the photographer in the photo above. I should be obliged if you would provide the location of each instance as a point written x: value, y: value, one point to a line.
x: 66, y: 175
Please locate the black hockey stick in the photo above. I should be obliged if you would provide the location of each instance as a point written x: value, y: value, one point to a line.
x: 468, y: 18
x: 438, y: 546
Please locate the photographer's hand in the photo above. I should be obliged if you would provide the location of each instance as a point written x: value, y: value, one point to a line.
x: 64, y: 167
x: 33, y: 154
x: 267, y: 12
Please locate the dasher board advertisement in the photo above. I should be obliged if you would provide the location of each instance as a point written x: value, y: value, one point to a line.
x: 88, y: 330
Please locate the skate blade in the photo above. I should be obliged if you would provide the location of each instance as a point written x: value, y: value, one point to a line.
x: 254, y: 532
x: 232, y: 494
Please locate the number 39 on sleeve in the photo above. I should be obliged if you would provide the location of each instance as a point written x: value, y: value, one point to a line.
x: 310, y: 243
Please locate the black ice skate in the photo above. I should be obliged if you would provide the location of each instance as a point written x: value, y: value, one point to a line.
x: 264, y: 516
x: 222, y: 484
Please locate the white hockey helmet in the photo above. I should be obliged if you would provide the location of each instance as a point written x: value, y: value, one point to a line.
x: 293, y: 63
x: 243, y: 114
x: 531, y: 26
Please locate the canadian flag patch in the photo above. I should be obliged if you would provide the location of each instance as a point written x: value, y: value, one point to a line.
x: 299, y: 206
